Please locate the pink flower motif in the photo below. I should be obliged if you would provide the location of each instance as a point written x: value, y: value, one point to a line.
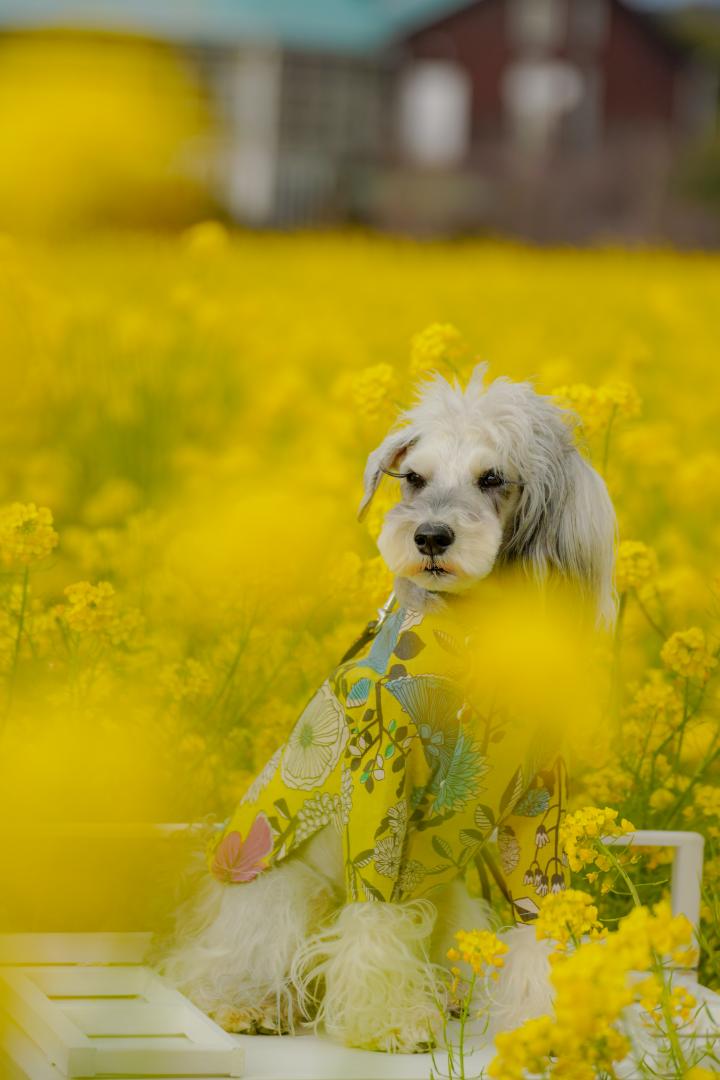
x: 236, y: 860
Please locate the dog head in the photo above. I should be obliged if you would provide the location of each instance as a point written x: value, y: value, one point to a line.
x: 491, y: 476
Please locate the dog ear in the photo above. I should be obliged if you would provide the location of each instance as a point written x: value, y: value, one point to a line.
x: 386, y: 456
x: 586, y: 535
x: 565, y: 521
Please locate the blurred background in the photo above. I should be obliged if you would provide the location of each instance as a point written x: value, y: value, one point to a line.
x: 552, y: 120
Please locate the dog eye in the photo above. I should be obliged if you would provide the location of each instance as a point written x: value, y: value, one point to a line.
x: 490, y: 479
x: 415, y: 480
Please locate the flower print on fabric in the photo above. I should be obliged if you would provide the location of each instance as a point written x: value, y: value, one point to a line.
x: 316, y: 742
x: 415, y: 774
x: 237, y: 860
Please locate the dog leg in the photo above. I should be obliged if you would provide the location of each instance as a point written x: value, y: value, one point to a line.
x: 370, y: 977
x: 457, y: 910
x: 234, y: 944
x: 523, y: 990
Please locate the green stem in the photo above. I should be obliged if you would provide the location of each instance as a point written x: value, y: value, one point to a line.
x: 606, y: 447
x: 683, y: 725
x: 617, y: 646
x: 463, y: 1021
x: 709, y: 759
x: 16, y: 651
x: 651, y: 622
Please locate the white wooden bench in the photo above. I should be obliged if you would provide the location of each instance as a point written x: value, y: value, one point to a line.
x: 84, y: 1005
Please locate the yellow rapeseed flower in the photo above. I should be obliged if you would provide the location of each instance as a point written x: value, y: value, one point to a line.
x: 686, y: 653
x: 706, y: 799
x: 371, y: 390
x: 437, y: 345
x: 636, y: 565
x: 566, y: 916
x: 583, y: 830
x: 26, y: 534
x: 598, y: 406
x: 481, y: 949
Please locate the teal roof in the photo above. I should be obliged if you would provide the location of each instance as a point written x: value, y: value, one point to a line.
x: 355, y: 25
x: 345, y: 25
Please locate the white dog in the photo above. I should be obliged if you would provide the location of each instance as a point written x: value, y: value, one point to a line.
x: 288, y: 923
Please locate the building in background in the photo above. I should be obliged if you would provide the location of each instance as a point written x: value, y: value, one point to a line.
x: 557, y: 120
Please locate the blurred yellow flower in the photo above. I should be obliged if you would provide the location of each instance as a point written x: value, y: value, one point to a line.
x: 636, y: 565
x: 597, y: 406
x: 90, y: 607
x: 707, y: 800
x: 661, y: 798
x: 372, y: 389
x: 26, y: 534
x: 685, y: 652
x: 437, y: 345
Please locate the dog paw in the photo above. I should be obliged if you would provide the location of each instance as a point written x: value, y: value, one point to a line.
x: 262, y: 1019
x: 415, y: 1039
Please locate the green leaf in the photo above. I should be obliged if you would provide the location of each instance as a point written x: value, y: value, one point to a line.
x: 470, y: 837
x: 375, y: 893
x: 447, y: 642
x: 484, y: 818
x: 409, y: 645
x: 364, y: 857
x: 442, y: 847
x: 282, y: 807
x: 533, y: 803
x: 513, y: 791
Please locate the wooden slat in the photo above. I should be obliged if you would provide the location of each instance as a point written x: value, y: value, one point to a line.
x: 20, y: 1058
x: 69, y: 981
x: 86, y: 1023
x: 61, y: 1042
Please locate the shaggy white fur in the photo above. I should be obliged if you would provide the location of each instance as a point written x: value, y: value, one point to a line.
x: 369, y: 976
x: 457, y: 910
x: 234, y: 947
x: 523, y: 989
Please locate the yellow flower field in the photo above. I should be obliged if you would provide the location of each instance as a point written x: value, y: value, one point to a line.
x: 184, y: 422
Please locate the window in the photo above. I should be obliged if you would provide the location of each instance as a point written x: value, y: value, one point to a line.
x: 435, y: 112
x: 536, y: 24
x: 537, y: 94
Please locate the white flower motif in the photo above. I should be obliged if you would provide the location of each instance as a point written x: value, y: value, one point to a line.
x: 387, y: 856
x: 397, y: 819
x: 316, y: 742
x: 411, y: 875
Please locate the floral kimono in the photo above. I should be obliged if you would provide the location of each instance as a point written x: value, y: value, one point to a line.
x: 416, y: 775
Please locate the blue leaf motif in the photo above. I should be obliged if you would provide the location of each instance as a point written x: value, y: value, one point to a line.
x: 382, y: 647
x: 532, y: 803
x: 427, y: 699
x: 359, y: 692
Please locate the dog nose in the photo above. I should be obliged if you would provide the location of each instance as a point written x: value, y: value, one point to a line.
x: 433, y: 539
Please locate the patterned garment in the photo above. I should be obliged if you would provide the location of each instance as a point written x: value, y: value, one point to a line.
x: 392, y: 752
